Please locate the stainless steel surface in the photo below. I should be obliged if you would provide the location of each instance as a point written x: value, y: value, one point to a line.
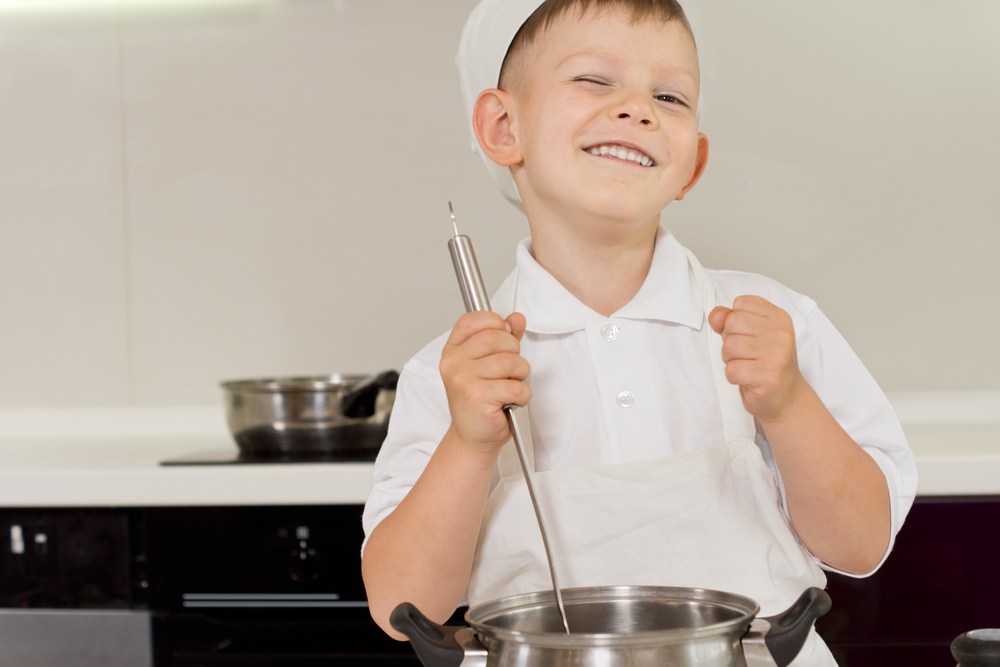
x: 522, y: 436
x: 303, y: 416
x: 474, y: 294
x: 604, y: 615
x: 475, y: 654
x: 467, y: 270
x: 454, y: 223
x: 619, y: 626
x: 78, y: 637
x: 268, y: 601
x: 754, y: 648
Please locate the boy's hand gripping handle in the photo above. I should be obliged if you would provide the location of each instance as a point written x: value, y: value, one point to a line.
x: 474, y: 293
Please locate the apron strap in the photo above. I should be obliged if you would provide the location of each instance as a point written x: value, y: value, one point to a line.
x: 737, y: 423
x: 509, y: 464
x: 504, y: 302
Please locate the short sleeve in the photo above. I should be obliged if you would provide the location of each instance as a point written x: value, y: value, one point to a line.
x: 855, y: 400
x: 419, y: 420
x: 846, y: 388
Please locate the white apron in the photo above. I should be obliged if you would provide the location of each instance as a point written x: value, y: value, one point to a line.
x: 709, y: 518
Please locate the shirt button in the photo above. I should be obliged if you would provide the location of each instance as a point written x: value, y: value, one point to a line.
x: 626, y: 399
x: 610, y: 332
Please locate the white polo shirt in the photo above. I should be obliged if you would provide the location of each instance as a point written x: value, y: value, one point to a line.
x: 637, y: 385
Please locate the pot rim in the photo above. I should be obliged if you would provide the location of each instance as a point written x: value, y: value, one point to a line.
x: 479, y: 617
x: 333, y: 381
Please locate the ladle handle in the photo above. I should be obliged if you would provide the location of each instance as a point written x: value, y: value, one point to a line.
x: 518, y: 435
x: 470, y: 280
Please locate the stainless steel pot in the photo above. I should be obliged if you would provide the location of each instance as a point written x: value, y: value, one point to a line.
x: 616, y: 626
x: 328, y: 417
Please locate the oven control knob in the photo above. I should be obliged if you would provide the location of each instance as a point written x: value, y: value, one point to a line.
x: 303, y: 565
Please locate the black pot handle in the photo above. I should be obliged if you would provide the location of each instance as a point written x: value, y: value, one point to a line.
x: 978, y: 648
x: 360, y: 401
x: 434, y: 644
x: 790, y: 628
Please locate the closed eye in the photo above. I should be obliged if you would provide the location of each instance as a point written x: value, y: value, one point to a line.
x: 664, y: 97
x: 592, y: 79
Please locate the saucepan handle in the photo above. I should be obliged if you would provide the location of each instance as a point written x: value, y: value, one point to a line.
x: 438, y: 645
x: 978, y: 648
x: 360, y: 402
x: 790, y: 628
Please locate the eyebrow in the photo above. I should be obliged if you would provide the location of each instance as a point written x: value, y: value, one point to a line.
x: 603, y: 55
x: 614, y: 58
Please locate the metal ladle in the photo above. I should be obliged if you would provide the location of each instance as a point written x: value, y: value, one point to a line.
x: 474, y: 294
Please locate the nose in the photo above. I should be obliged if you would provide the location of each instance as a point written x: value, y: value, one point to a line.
x: 636, y: 108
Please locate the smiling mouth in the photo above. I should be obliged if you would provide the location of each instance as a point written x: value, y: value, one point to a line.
x: 622, y: 153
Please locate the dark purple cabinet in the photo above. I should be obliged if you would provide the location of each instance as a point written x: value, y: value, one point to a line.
x: 942, y: 579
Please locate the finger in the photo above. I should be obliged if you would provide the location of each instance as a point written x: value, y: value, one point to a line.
x: 488, y: 342
x: 717, y: 318
x: 739, y: 346
x: 503, y: 367
x: 754, y: 375
x: 510, y: 392
x: 752, y: 303
x: 741, y: 372
x: 517, y: 324
x: 484, y: 399
x: 470, y: 324
x: 745, y: 323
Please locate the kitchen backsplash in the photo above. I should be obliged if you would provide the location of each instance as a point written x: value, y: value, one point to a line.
x: 197, y: 197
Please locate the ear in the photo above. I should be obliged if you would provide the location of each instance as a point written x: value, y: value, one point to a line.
x: 491, y: 120
x: 699, y: 165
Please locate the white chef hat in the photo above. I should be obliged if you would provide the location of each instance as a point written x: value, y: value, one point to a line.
x: 487, y: 36
x: 488, y: 33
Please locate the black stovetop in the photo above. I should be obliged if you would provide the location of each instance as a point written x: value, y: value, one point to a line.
x: 230, y: 456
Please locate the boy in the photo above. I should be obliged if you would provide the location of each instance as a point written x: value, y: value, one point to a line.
x: 690, y: 428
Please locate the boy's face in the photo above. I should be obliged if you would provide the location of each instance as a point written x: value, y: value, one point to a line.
x: 595, y: 87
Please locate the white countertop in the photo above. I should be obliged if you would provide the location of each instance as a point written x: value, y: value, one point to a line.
x: 110, y: 457
x: 125, y: 472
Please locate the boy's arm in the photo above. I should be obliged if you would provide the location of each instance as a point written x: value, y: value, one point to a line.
x: 837, y: 496
x: 422, y: 552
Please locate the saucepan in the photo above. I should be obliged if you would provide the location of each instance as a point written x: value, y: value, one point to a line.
x: 328, y: 417
x: 616, y: 626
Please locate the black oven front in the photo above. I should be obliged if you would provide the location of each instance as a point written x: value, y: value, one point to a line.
x: 268, y: 585
x: 261, y: 586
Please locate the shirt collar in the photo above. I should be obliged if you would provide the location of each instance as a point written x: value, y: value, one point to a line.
x: 668, y: 294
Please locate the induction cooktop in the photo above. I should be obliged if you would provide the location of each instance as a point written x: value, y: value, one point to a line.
x: 233, y: 456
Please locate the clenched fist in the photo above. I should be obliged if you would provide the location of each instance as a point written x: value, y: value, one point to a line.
x: 758, y: 347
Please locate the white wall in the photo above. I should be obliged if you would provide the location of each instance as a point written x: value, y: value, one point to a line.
x: 200, y: 197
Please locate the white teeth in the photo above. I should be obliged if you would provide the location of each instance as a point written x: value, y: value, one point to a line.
x: 620, y: 153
